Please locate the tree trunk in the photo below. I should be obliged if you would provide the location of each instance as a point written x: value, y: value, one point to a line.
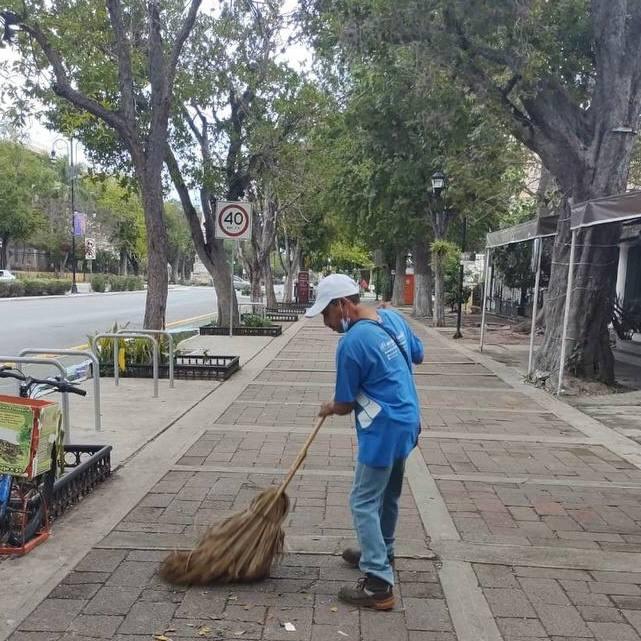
x: 4, y: 253
x: 398, y: 292
x: 210, y: 250
x: 588, y: 354
x: 174, y: 272
x: 256, y: 291
x: 438, y: 266
x: 291, y: 265
x: 123, y: 262
x: 157, y: 277
x: 422, y: 281
x: 268, y: 275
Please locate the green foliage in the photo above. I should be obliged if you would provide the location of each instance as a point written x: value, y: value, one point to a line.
x: 119, y: 210
x: 138, y: 351
x: 34, y: 287
x: 98, y: 283
x: 113, y: 283
x: 26, y: 178
x: 255, y: 320
x: 445, y: 249
x: 347, y: 257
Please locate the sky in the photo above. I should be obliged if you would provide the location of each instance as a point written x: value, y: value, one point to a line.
x: 42, y: 139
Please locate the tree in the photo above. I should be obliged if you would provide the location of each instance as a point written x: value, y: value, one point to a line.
x: 26, y: 180
x: 115, y: 71
x: 181, y: 246
x: 243, y: 108
x: 119, y: 210
x: 566, y: 79
x: 403, y: 121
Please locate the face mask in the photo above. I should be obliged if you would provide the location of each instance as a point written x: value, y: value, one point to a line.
x: 345, y: 322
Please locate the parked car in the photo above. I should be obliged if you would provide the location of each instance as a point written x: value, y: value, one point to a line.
x: 240, y: 283
x: 5, y: 274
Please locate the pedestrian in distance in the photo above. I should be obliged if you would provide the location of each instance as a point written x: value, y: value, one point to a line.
x: 374, y: 380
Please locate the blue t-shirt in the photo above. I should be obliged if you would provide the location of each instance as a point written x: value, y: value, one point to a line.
x: 373, y: 374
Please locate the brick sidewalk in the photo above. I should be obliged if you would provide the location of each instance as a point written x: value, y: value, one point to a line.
x: 536, y: 519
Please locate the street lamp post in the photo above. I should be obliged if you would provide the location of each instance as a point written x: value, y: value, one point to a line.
x: 438, y: 186
x: 69, y: 143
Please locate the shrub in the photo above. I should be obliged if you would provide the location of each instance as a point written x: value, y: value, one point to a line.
x: 11, y: 288
x: 117, y: 283
x: 34, y: 287
x: 98, y: 283
x: 254, y: 320
x: 134, y: 283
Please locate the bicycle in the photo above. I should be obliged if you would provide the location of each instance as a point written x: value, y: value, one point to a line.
x: 31, y: 454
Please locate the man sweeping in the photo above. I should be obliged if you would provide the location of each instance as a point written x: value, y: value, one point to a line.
x: 374, y: 379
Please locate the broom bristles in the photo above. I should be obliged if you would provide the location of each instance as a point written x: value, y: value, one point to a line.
x: 241, y: 548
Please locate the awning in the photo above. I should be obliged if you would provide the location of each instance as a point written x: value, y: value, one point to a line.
x: 537, y: 228
x: 610, y: 209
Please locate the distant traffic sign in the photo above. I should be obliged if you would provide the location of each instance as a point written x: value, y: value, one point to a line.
x: 90, y: 249
x: 233, y: 220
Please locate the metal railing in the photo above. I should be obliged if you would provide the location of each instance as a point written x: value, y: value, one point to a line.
x: 158, y: 332
x: 132, y: 334
x: 64, y: 403
x: 96, y: 373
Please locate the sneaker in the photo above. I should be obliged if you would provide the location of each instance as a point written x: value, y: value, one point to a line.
x: 370, y: 592
x: 352, y: 557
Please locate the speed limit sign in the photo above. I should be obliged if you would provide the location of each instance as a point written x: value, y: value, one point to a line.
x: 233, y: 220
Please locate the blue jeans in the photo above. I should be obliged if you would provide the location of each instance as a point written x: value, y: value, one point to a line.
x: 374, y: 503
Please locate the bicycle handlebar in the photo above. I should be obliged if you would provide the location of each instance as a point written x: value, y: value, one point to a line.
x: 57, y: 383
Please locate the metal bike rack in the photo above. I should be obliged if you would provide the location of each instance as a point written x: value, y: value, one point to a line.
x: 158, y: 332
x: 96, y: 374
x: 115, y: 338
x: 63, y: 372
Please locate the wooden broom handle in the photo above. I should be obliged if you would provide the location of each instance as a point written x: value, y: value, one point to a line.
x: 300, y: 458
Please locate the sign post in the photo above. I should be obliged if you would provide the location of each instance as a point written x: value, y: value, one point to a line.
x: 233, y: 222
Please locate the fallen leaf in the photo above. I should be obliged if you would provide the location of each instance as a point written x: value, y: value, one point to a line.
x: 334, y: 609
x: 161, y: 637
x: 204, y: 630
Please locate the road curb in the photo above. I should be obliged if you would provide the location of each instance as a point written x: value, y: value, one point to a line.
x: 83, y: 295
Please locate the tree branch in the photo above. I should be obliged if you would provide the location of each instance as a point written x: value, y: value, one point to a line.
x: 181, y: 38
x: 191, y: 214
x: 62, y: 87
x: 123, y: 53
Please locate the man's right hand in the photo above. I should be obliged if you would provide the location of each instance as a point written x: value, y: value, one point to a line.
x: 326, y: 408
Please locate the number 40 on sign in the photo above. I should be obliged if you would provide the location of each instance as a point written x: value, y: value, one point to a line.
x: 233, y: 220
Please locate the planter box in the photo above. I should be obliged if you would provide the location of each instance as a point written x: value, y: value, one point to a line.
x: 283, y: 317
x: 211, y: 330
x: 186, y: 367
x: 291, y: 308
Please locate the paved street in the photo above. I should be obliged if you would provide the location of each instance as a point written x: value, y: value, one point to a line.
x: 533, y: 508
x: 64, y: 322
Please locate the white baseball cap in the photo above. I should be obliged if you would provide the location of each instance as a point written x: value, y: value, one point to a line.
x: 329, y: 288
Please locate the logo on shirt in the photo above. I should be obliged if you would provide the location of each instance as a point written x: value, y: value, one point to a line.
x: 369, y: 410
